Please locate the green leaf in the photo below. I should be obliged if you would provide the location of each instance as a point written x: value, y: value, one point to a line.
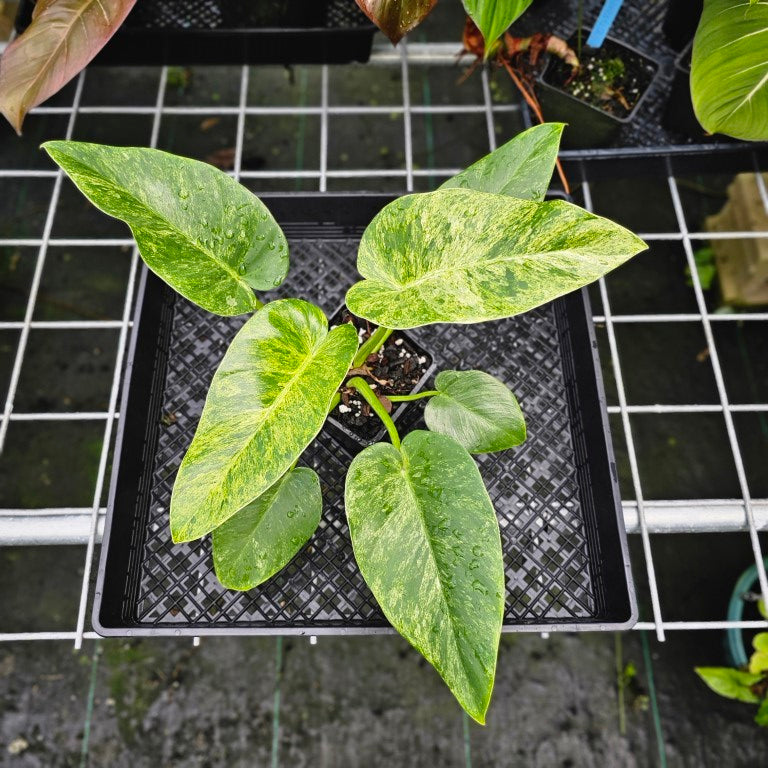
x: 396, y: 18
x: 63, y: 37
x: 758, y: 662
x: 476, y: 410
x: 493, y: 17
x: 199, y: 230
x: 730, y: 683
x: 427, y: 542
x: 760, y: 641
x: 729, y: 69
x: 268, y: 400
x: 460, y: 256
x: 761, y: 718
x: 261, y: 539
x: 521, y: 168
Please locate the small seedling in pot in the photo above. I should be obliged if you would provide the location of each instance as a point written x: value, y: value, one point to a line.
x: 484, y: 246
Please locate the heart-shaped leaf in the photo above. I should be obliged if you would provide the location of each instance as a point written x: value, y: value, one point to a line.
x: 521, y: 168
x: 476, y: 410
x: 261, y: 539
x: 460, y: 256
x: 426, y: 539
x: 267, y: 401
x: 199, y: 230
x: 396, y: 18
x: 63, y: 37
x: 729, y: 69
x: 493, y: 17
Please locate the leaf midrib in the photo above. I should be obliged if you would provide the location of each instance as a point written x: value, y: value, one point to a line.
x: 270, y: 409
x: 453, y: 268
x: 78, y: 17
x: 420, y: 517
x: 226, y: 267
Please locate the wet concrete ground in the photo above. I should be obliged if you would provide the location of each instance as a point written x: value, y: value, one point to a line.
x: 357, y: 702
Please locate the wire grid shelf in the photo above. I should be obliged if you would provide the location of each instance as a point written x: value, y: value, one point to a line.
x: 66, y: 525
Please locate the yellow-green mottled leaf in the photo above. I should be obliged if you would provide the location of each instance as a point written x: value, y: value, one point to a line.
x: 199, y: 230
x: 460, y: 256
x: 521, y: 168
x: 261, y: 539
x: 493, y: 17
x: 729, y: 69
x: 730, y: 683
x: 426, y: 539
x: 476, y: 410
x: 268, y: 400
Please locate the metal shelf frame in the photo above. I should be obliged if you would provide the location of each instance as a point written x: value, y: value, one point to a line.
x: 83, y: 525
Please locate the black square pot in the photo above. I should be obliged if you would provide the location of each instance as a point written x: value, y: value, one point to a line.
x: 588, y: 126
x: 405, y: 415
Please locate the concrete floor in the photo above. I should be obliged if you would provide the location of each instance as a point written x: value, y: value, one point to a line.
x: 368, y: 701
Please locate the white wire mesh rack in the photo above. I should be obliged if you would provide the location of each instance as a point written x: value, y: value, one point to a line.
x: 83, y: 525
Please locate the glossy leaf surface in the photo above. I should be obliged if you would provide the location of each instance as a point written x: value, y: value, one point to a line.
x: 199, y: 230
x: 396, y: 18
x: 63, y: 37
x: 261, y: 539
x: 460, y: 256
x: 521, y: 168
x: 476, y: 410
x: 729, y: 69
x: 731, y: 683
x: 493, y: 17
x: 268, y: 400
x: 427, y: 542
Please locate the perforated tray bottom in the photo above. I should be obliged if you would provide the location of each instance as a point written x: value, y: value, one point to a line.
x: 534, y: 489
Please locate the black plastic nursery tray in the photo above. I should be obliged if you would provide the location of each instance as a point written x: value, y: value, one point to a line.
x: 556, y: 496
x: 185, y: 32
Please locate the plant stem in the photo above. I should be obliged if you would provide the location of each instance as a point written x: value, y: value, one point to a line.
x: 361, y: 385
x: 373, y: 344
x: 620, y: 681
x: 414, y: 396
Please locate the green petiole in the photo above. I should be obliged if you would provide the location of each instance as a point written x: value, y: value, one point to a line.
x: 361, y: 385
x: 414, y: 396
x: 372, y: 344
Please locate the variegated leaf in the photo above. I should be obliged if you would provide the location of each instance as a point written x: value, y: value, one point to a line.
x: 427, y: 541
x: 268, y: 400
x: 521, y: 168
x: 476, y: 410
x: 199, y: 230
x: 261, y: 539
x: 396, y: 18
x: 460, y: 256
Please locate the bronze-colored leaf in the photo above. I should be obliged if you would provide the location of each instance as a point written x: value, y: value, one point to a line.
x: 61, y: 40
x: 396, y: 18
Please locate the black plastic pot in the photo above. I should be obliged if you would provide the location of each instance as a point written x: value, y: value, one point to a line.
x: 680, y: 21
x: 404, y: 414
x: 186, y: 32
x: 588, y: 126
x: 679, y: 115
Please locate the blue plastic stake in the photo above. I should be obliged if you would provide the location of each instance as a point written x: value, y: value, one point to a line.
x: 604, y: 22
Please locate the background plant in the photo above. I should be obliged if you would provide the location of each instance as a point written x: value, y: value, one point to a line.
x: 486, y: 245
x: 729, y: 69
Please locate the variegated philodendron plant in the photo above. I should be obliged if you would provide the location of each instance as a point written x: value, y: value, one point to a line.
x: 484, y: 246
